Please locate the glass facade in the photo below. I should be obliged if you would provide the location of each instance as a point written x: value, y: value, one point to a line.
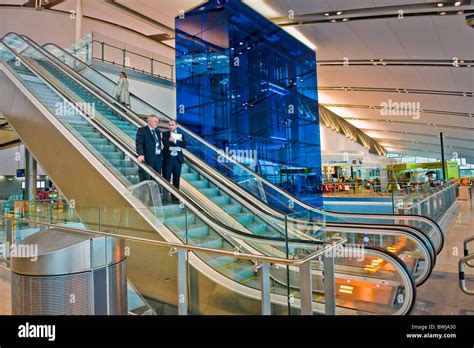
x: 250, y: 89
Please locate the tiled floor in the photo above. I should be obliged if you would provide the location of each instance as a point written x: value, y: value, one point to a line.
x: 5, y: 294
x: 441, y: 293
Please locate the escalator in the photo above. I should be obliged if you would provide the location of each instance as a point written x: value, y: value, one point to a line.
x: 411, y: 246
x: 94, y: 167
x: 224, y: 199
x: 239, y: 176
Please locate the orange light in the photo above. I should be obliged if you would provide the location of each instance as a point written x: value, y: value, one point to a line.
x: 346, y: 289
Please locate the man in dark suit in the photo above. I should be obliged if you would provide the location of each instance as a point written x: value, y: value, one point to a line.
x: 148, y: 145
x: 173, y: 143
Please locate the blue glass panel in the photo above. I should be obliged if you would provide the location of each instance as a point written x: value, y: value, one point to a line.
x: 246, y: 85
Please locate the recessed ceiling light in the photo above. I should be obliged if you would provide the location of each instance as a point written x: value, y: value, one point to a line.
x: 460, y: 12
x: 339, y: 13
x: 440, y: 4
x: 442, y: 13
x: 333, y: 21
x: 326, y: 14
x: 458, y: 3
x: 345, y: 19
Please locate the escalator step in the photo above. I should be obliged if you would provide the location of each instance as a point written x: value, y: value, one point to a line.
x: 221, y: 200
x: 128, y: 170
x: 232, y: 208
x: 222, y: 261
x: 190, y: 176
x: 208, y: 242
x: 199, y: 184
x: 209, y: 192
x: 194, y: 231
x: 245, y: 219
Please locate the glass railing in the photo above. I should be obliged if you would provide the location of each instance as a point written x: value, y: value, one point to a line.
x: 95, y: 46
x: 432, y: 203
x: 409, y: 244
x: 257, y: 281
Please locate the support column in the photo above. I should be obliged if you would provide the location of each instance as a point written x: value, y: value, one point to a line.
x: 79, y: 17
x: 443, y: 161
x: 31, y: 174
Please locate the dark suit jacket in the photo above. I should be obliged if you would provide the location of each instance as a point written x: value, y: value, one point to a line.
x: 167, y: 144
x: 146, y: 144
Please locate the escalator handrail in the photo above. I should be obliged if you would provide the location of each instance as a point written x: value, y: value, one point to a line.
x: 261, y: 207
x: 305, y: 205
x: 407, y: 229
x: 431, y: 256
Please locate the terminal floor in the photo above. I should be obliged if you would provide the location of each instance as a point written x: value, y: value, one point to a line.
x: 5, y: 293
x: 441, y: 294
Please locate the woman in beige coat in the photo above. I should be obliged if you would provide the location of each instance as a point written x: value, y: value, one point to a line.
x: 123, y: 95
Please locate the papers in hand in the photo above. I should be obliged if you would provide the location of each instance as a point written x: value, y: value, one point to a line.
x: 174, y: 150
x: 178, y: 137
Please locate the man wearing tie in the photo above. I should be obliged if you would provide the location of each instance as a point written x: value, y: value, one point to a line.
x: 148, y: 146
x: 173, y: 143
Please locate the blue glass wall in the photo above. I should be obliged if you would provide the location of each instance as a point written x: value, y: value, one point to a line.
x: 245, y: 84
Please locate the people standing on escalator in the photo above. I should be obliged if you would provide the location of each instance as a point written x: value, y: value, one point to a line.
x: 149, y: 146
x: 123, y: 94
x: 173, y: 143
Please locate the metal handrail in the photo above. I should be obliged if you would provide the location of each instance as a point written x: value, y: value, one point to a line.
x: 466, y: 249
x: 186, y: 247
x: 462, y: 279
x: 124, y: 50
x: 449, y: 186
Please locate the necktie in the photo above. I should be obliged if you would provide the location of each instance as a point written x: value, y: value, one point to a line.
x: 157, y: 143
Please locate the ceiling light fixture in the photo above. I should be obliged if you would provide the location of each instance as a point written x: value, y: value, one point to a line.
x: 440, y: 4
x: 339, y: 13
x: 458, y: 3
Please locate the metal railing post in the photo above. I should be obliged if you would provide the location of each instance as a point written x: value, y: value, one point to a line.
x: 329, y: 284
x: 306, y: 289
x: 182, y: 283
x: 266, y: 296
x: 462, y: 279
x: 9, y: 230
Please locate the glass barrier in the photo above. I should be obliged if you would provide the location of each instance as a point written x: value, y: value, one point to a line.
x: 95, y: 46
x: 160, y: 281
